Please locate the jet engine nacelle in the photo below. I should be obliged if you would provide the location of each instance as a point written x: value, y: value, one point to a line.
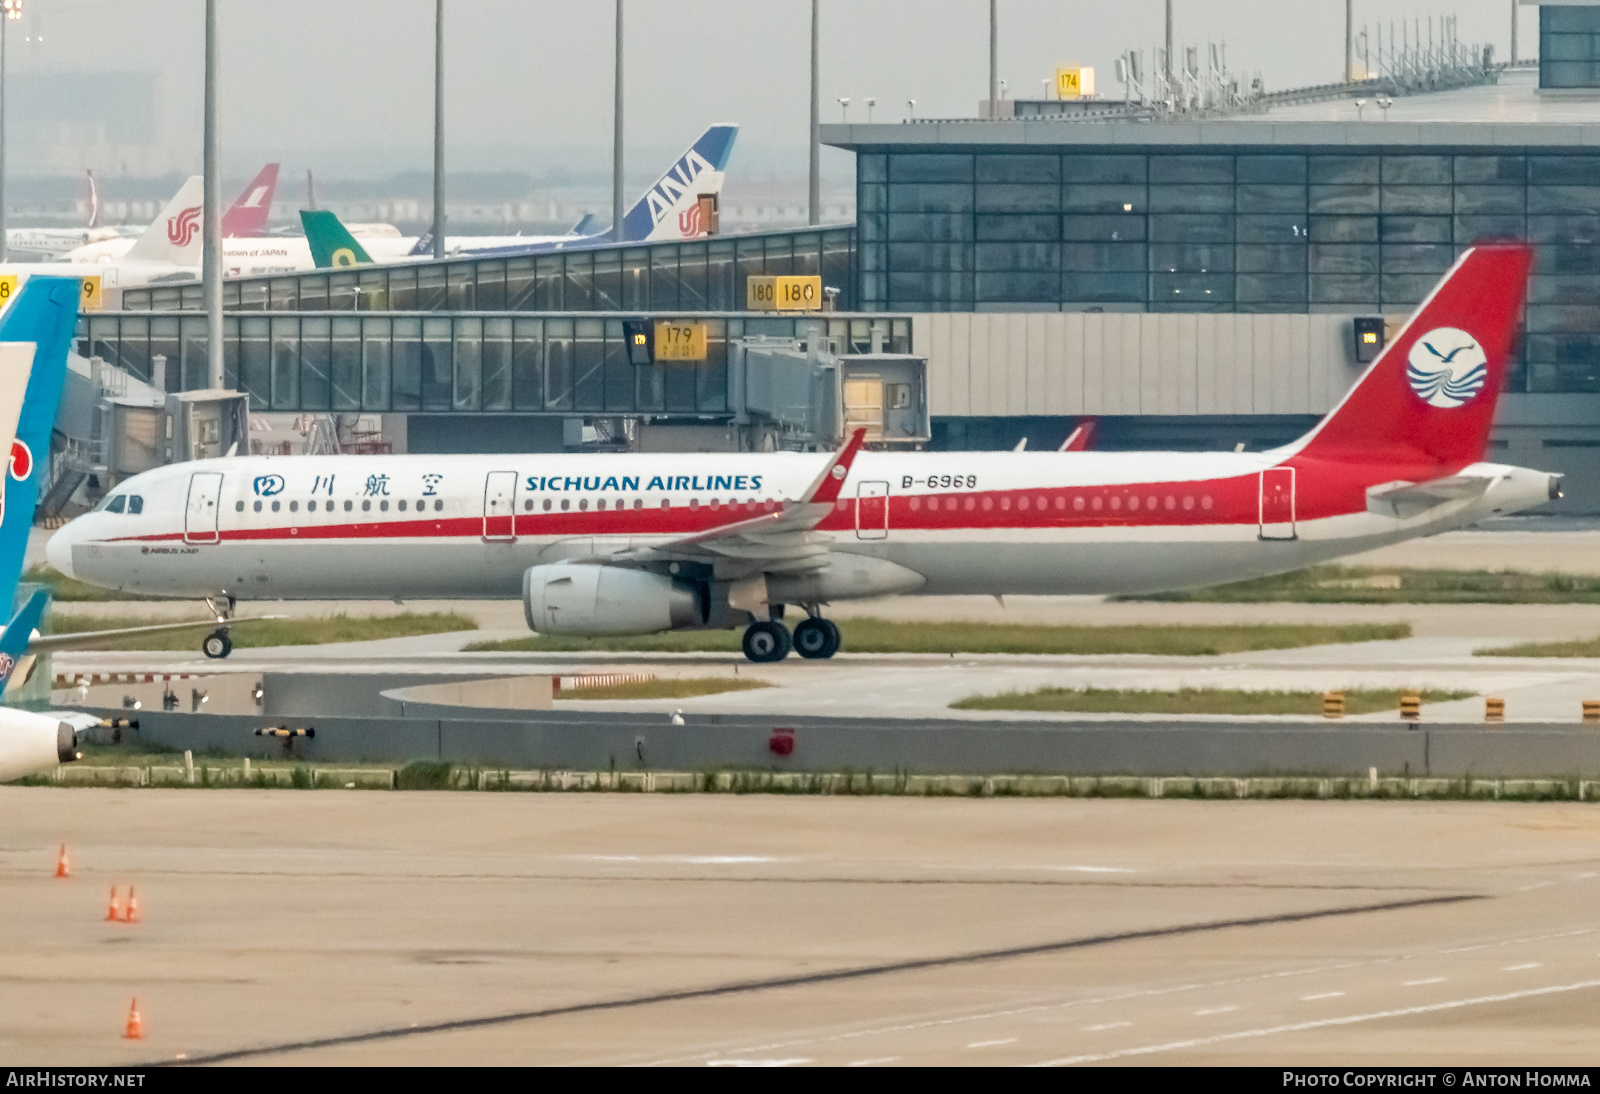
x: 33, y: 742
x: 569, y: 598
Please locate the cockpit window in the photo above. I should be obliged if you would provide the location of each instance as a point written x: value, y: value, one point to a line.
x: 135, y: 504
x: 116, y: 504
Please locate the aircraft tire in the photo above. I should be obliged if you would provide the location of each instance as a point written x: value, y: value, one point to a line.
x: 766, y: 641
x: 217, y: 645
x: 816, y: 639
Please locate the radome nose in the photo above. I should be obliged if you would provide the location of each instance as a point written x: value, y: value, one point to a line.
x: 59, y: 550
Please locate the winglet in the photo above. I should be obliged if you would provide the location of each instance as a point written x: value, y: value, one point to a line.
x: 825, y: 488
x: 19, y: 632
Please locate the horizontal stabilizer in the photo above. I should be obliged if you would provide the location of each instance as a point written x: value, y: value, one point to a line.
x: 1406, y: 499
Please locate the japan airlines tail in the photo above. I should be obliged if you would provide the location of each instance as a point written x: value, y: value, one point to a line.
x: 635, y: 543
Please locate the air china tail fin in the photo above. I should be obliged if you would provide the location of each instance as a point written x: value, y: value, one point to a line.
x: 247, y: 216
x: 42, y: 317
x: 669, y: 209
x: 1431, y: 393
x: 330, y: 241
x: 174, y: 235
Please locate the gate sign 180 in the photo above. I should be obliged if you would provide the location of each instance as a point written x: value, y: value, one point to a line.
x: 784, y: 293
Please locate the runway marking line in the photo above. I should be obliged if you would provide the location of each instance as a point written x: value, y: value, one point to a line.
x: 1324, y: 1023
x: 1520, y: 968
x: 1215, y: 1010
x: 991, y: 1044
x: 1321, y: 995
x: 808, y: 979
x: 1012, y: 1012
x: 872, y: 1062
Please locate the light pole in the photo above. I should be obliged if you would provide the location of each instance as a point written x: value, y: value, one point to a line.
x: 871, y: 102
x: 994, y: 56
x: 438, y: 129
x: 12, y: 11
x: 211, y: 212
x: 844, y: 110
x: 814, y: 191
x: 616, y: 137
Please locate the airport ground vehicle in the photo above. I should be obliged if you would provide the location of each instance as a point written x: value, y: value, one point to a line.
x: 636, y: 543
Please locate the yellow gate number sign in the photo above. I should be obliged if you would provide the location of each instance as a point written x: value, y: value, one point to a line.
x: 784, y: 293
x: 8, y: 288
x: 1074, y: 83
x: 91, y: 293
x: 677, y: 340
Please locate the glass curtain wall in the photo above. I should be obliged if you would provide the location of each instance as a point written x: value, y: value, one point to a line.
x: 491, y: 363
x: 692, y: 275
x: 1272, y: 230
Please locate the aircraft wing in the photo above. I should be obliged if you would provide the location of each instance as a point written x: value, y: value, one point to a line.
x: 88, y: 640
x: 1407, y: 499
x: 781, y: 542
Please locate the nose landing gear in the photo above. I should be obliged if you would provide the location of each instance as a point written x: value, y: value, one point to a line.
x: 816, y: 638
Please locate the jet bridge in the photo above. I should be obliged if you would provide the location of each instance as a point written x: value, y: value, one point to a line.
x: 804, y: 393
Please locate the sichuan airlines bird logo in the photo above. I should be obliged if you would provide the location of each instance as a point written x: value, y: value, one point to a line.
x: 1447, y: 368
x: 181, y: 228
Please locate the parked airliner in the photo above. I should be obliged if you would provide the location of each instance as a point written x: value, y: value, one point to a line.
x: 627, y: 544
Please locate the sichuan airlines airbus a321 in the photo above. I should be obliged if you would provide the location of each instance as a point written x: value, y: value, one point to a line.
x: 632, y: 544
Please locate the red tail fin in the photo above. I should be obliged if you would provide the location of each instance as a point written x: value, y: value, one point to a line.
x: 1431, y: 393
x: 247, y: 216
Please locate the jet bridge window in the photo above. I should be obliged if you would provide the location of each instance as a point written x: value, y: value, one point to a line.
x: 117, y: 504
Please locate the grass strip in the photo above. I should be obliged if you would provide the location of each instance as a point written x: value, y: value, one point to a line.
x: 307, y: 631
x: 1396, y: 585
x: 1589, y: 647
x: 63, y: 588
x: 869, y: 635
x: 1195, y: 701
x: 669, y: 688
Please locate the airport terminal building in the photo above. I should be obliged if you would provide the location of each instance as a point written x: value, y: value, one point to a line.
x: 1190, y: 282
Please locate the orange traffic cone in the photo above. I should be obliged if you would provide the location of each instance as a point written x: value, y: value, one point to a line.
x: 130, y: 913
x: 111, y: 909
x: 134, y: 1030
x: 63, y: 867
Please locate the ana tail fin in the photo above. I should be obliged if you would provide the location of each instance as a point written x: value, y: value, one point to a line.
x: 247, y: 216
x: 665, y: 210
x: 174, y: 235
x: 1431, y: 394
x: 584, y: 226
x: 332, y: 245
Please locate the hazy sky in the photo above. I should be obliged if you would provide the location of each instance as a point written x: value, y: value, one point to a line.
x: 528, y: 82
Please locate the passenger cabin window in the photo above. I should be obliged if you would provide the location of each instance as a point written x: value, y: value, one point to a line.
x: 257, y: 506
x: 400, y: 505
x: 276, y: 505
x: 117, y: 504
x: 349, y: 505
x: 238, y: 507
x: 438, y: 505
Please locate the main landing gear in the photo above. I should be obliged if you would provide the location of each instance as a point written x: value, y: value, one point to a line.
x: 767, y: 640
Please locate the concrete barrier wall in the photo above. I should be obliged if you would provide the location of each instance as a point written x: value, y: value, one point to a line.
x: 626, y: 742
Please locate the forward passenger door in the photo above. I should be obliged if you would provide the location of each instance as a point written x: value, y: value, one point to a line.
x: 1277, y: 503
x: 500, y: 506
x: 200, y: 514
x: 872, y: 510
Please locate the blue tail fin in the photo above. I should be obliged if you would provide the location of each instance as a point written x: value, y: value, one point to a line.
x: 584, y: 226
x: 44, y: 312
x: 18, y: 633
x: 665, y: 210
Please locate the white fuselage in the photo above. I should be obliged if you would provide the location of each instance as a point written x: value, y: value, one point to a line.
x: 413, y: 527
